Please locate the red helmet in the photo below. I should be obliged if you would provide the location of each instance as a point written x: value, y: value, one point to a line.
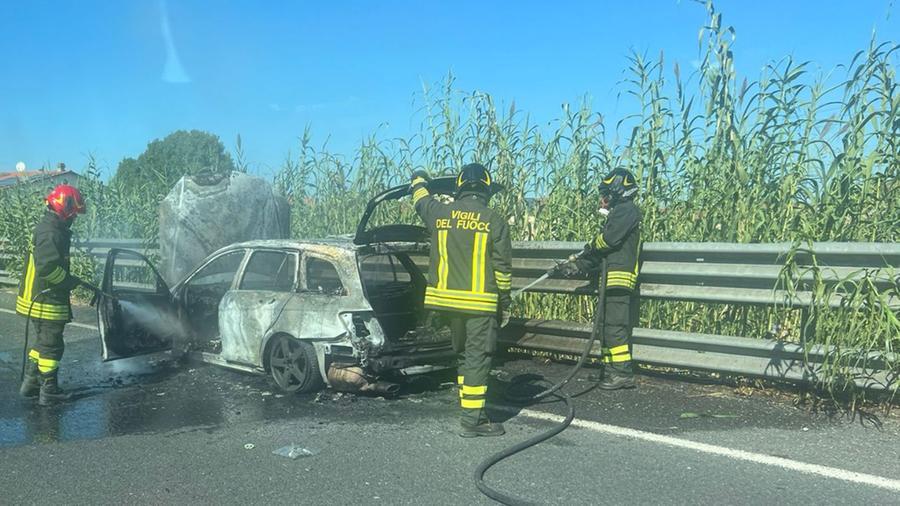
x: 65, y: 201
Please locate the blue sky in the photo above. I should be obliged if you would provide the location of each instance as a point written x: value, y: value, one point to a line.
x: 106, y: 76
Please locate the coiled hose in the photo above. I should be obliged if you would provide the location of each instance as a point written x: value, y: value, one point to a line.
x: 596, y: 331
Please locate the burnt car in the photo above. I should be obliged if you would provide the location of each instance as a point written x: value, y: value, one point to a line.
x: 342, y: 311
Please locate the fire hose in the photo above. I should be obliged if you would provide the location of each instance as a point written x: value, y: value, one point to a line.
x: 596, y: 332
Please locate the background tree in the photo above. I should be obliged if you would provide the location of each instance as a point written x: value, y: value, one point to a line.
x: 166, y: 160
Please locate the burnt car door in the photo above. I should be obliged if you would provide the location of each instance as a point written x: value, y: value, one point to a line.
x: 268, y: 281
x: 142, y: 316
x: 320, y: 298
x: 201, y: 294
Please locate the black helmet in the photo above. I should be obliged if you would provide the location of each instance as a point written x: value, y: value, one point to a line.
x: 619, y: 184
x: 473, y: 177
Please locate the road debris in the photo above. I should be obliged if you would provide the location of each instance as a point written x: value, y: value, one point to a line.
x: 706, y: 415
x: 295, y: 452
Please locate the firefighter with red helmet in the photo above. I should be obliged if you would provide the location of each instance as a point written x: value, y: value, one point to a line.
x: 44, y: 294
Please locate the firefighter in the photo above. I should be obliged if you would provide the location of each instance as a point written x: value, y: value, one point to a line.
x: 44, y: 294
x: 619, y: 242
x: 470, y: 277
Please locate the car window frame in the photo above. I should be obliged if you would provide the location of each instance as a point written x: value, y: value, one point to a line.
x: 304, y: 283
x: 295, y: 284
x: 239, y: 273
x: 397, y: 265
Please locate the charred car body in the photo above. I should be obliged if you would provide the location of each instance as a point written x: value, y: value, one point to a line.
x: 338, y: 311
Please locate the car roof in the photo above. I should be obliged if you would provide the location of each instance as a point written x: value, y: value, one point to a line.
x: 337, y: 243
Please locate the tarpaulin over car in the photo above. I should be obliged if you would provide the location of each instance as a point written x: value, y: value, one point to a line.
x: 204, y: 213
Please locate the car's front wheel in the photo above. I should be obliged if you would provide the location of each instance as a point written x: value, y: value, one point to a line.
x: 293, y: 365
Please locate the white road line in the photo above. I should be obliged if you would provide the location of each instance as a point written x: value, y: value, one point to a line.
x: 74, y: 324
x: 757, y: 458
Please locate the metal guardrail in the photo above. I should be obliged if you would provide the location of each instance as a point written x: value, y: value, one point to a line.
x: 96, y: 248
x: 699, y: 272
x: 759, y: 358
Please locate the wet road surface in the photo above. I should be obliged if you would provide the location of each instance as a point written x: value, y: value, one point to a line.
x: 151, y: 430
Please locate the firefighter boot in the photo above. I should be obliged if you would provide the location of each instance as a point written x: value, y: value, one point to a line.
x: 482, y: 426
x: 486, y: 429
x: 50, y: 391
x: 617, y: 380
x: 31, y: 382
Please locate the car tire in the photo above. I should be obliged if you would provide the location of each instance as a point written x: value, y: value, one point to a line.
x: 293, y: 365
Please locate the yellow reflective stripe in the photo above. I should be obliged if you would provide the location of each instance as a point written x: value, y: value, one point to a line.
x: 617, y: 350
x: 419, y: 194
x: 460, y: 294
x: 599, y: 242
x: 34, y: 354
x: 42, y: 311
x: 474, y: 390
x: 621, y: 278
x: 637, y: 258
x: 443, y: 268
x: 29, y: 277
x: 471, y: 403
x: 482, y: 270
x: 475, y: 248
x: 46, y: 365
x: 453, y: 304
x: 504, y: 281
x: 417, y: 180
x: 468, y: 306
x: 56, y: 276
x: 479, y: 247
x: 624, y: 357
x: 460, y: 380
x: 24, y: 305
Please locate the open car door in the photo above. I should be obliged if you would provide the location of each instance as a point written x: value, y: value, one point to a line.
x: 142, y: 316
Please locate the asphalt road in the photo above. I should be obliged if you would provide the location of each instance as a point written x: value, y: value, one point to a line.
x: 149, y: 430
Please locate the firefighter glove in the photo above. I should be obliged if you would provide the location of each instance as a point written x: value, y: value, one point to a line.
x: 567, y: 269
x: 420, y: 174
x: 504, y: 303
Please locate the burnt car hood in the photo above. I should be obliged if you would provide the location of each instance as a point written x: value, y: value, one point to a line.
x: 401, y: 232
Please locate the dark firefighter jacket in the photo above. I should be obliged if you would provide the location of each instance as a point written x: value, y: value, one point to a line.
x: 470, y: 252
x: 47, y: 266
x: 620, y: 242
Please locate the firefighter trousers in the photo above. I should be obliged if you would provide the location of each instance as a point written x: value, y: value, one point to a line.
x: 617, y: 319
x: 47, y: 344
x: 474, y: 340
